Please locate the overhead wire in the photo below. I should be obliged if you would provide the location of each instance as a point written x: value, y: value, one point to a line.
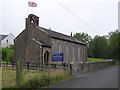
x: 76, y: 16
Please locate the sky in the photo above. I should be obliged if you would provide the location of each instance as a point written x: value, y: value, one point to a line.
x: 94, y: 17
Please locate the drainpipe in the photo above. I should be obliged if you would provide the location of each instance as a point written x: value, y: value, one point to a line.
x: 39, y: 56
x: 42, y: 58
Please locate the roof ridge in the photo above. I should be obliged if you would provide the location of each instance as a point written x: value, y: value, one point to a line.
x: 61, y: 36
x: 56, y: 32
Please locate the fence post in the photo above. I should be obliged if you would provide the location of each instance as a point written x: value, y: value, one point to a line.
x: 48, y: 71
x: 7, y: 64
x: 64, y: 65
x: 17, y: 73
x: 12, y: 64
x: 36, y: 66
x: 70, y: 68
x: 28, y: 66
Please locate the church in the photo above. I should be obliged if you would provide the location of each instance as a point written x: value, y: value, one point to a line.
x: 39, y: 45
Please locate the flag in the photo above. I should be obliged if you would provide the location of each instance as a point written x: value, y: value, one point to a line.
x: 32, y: 4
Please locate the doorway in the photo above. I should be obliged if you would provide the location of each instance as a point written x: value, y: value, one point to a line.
x: 46, y: 57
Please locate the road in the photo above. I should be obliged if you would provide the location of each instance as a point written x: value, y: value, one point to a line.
x: 104, y: 78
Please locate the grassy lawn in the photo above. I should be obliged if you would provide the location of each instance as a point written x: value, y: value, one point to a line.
x: 0, y: 78
x: 95, y: 60
x: 4, y: 62
x: 9, y: 76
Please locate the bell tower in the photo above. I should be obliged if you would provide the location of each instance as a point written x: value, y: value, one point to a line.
x: 31, y: 23
x: 32, y: 20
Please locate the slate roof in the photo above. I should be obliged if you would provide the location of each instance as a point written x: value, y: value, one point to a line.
x: 61, y: 36
x: 45, y: 44
x: 2, y: 37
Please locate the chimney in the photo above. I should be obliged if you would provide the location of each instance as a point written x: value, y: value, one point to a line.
x: 71, y: 34
x: 49, y: 28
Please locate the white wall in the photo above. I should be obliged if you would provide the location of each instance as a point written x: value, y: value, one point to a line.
x: 10, y: 38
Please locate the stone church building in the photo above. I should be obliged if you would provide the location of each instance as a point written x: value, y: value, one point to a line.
x: 37, y: 45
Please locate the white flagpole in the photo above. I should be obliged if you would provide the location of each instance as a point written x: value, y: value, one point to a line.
x: 28, y: 7
x: 30, y: 4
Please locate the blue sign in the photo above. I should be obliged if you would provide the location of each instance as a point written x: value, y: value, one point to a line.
x: 57, y: 57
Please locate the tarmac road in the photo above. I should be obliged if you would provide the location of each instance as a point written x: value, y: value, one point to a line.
x: 104, y: 78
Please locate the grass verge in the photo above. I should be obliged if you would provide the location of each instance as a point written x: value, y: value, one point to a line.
x: 95, y: 60
x: 33, y: 79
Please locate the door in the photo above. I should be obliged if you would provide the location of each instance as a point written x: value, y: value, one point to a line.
x: 46, y: 57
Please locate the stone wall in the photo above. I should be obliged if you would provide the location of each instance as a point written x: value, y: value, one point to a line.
x: 73, y: 52
x: 89, y: 67
x: 20, y: 42
x: 32, y: 52
x: 96, y: 65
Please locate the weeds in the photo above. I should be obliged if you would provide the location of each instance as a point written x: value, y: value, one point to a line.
x: 41, y: 80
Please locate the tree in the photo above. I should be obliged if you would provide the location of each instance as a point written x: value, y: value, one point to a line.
x: 89, y: 49
x: 84, y: 37
x: 102, y: 46
x: 4, y: 54
x: 99, y: 47
x: 114, y: 45
x: 7, y: 54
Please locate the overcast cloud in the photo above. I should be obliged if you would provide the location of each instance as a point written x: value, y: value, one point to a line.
x: 100, y: 15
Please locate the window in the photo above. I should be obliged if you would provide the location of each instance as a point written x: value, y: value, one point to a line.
x: 31, y: 19
x: 6, y: 41
x: 73, y: 53
x: 78, y: 54
x: 67, y: 56
x: 58, y: 47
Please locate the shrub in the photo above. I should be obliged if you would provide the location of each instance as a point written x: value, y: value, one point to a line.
x: 41, y: 79
x: 57, y: 78
x: 36, y: 82
x: 7, y: 54
x: 12, y: 46
x: 4, y: 54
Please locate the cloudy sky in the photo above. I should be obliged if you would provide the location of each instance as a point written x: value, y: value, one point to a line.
x: 95, y: 17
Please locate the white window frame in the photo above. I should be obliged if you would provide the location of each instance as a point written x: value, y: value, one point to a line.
x: 58, y: 47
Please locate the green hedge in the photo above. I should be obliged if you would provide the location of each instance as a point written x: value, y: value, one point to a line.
x: 7, y: 54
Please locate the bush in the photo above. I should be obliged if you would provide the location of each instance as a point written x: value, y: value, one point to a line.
x: 36, y: 82
x: 41, y: 79
x: 7, y: 54
x: 57, y: 78
x: 4, y: 54
x: 12, y: 46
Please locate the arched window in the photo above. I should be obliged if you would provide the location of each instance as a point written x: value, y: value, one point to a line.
x: 67, y: 53
x: 73, y: 53
x: 78, y: 54
x: 58, y: 46
x: 31, y: 19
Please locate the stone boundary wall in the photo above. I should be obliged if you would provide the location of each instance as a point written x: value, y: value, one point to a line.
x: 96, y: 65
